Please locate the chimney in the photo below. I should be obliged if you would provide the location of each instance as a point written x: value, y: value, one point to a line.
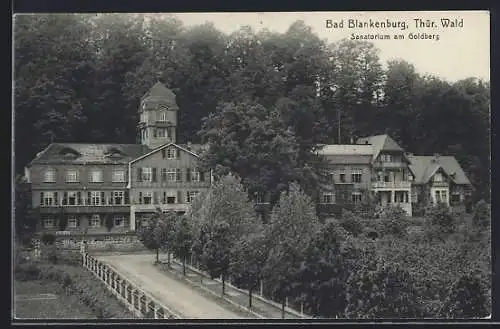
x: 189, y: 144
x: 352, y: 140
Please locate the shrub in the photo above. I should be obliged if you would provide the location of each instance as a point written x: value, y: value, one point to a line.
x: 442, y: 218
x: 351, y: 223
x: 482, y: 216
x: 393, y: 221
x: 386, y: 291
x: 467, y: 299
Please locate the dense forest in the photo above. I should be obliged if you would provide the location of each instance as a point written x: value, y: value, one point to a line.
x: 79, y: 78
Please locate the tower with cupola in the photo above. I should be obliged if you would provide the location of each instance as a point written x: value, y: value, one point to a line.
x: 158, y: 116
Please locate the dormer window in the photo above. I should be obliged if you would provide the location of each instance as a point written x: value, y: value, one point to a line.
x: 163, y: 116
x: 69, y: 153
x: 114, y: 153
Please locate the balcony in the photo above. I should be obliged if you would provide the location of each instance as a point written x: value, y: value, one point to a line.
x: 391, y: 185
x: 389, y: 165
x: 163, y: 206
x: 77, y: 209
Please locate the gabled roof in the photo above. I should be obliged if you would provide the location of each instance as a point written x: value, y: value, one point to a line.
x: 89, y: 153
x: 424, y: 167
x: 380, y: 143
x: 345, y: 149
x: 159, y: 148
x: 159, y: 90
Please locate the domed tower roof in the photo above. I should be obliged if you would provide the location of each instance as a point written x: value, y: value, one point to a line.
x: 160, y: 92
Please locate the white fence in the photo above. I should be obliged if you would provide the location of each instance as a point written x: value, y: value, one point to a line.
x: 137, y: 301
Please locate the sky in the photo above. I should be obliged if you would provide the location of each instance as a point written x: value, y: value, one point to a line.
x: 452, y: 53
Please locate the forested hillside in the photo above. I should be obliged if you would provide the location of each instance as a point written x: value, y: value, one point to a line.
x: 80, y: 78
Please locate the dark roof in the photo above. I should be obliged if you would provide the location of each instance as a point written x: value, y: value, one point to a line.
x: 88, y: 153
x: 159, y: 90
x: 424, y: 167
x: 380, y: 143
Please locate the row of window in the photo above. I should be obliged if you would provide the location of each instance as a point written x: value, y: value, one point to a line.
x: 166, y: 197
x: 90, y: 198
x: 158, y: 132
x: 160, y: 117
x: 329, y: 198
x: 150, y: 174
x: 356, y: 176
x: 74, y: 222
x: 73, y: 176
x: 100, y: 198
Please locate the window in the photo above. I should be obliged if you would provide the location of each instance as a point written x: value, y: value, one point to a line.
x: 72, y: 198
x: 172, y: 175
x: 356, y: 176
x: 444, y: 196
x: 118, y: 176
x: 118, y: 197
x: 356, y: 197
x: 328, y: 198
x: 163, y: 174
x: 399, y: 197
x: 95, y: 198
x: 72, y: 176
x: 95, y: 221
x: 386, y: 158
x: 147, y: 174
x: 48, y: 222
x: 342, y: 177
x: 72, y: 221
x: 147, y: 198
x: 330, y: 176
x: 163, y: 116
x: 96, y: 176
x: 438, y: 177
x: 191, y: 195
x: 49, y: 176
x: 455, y: 197
x: 170, y: 199
x: 195, y: 175
x: 119, y: 221
x: 160, y: 132
x: 438, y: 196
x: 48, y: 199
x: 171, y: 153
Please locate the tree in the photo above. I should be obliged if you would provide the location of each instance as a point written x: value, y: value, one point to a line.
x: 217, y: 252
x: 154, y: 232
x: 292, y: 226
x: 252, y: 142
x: 381, y: 292
x: 323, y: 273
x: 25, y: 215
x: 182, y: 240
x: 466, y: 299
x: 225, y: 216
x: 249, y: 258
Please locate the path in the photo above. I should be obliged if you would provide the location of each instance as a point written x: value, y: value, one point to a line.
x: 140, y: 270
x: 235, y: 295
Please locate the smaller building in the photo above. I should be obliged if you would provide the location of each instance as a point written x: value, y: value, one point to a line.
x: 439, y: 179
x: 391, y: 176
x: 348, y: 173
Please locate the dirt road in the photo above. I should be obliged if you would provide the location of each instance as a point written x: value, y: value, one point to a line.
x: 140, y: 270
